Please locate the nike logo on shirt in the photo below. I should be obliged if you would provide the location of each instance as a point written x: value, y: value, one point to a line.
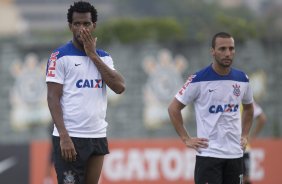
x: 211, y: 90
x: 77, y: 64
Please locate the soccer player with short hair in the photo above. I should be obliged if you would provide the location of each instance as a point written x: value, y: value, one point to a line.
x: 217, y: 92
x: 77, y: 75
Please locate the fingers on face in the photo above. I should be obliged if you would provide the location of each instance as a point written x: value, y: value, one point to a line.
x: 86, y: 34
x: 83, y: 35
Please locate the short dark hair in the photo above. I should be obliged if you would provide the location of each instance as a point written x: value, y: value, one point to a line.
x: 219, y: 35
x: 82, y: 7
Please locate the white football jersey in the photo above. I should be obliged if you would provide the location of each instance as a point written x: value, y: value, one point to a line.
x: 217, y: 102
x: 84, y: 100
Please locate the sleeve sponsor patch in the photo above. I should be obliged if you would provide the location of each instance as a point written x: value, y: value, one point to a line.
x: 52, y: 64
x: 189, y: 80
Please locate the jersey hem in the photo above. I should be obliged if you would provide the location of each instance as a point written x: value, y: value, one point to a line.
x: 180, y: 99
x: 221, y: 156
x: 55, y: 81
x: 82, y: 135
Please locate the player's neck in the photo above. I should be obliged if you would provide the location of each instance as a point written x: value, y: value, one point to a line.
x: 78, y: 45
x: 220, y: 70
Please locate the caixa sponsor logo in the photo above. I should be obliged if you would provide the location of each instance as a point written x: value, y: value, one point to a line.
x: 89, y: 83
x: 224, y: 108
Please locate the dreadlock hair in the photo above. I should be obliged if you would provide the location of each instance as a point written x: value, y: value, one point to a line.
x: 82, y: 7
x: 220, y: 35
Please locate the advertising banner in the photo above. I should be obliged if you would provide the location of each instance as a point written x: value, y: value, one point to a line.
x: 161, y: 161
x: 14, y: 164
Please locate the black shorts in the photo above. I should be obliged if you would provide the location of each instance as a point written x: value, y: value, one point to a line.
x: 68, y: 172
x: 246, y: 165
x: 218, y: 170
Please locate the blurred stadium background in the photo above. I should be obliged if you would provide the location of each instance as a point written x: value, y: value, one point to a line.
x: 155, y: 45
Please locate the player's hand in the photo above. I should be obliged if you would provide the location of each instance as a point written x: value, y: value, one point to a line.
x: 244, y: 142
x: 196, y: 143
x: 67, y: 149
x: 89, y: 42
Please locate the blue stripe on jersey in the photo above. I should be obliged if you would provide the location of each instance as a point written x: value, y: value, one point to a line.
x: 102, y: 53
x: 70, y: 50
x: 208, y: 74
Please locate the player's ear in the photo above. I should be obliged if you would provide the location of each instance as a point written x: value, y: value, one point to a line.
x: 94, y: 25
x: 212, y: 51
x: 70, y: 26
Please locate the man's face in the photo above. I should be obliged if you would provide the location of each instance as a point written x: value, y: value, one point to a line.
x: 81, y: 21
x: 224, y: 51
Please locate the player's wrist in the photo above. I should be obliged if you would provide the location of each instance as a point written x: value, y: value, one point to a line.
x: 245, y: 137
x: 185, y: 139
x: 94, y: 56
x: 64, y: 134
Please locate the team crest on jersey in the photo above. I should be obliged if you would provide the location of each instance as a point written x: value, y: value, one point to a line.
x: 69, y: 178
x: 236, y: 90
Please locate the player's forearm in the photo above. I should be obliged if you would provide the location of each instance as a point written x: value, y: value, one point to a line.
x: 247, y: 119
x: 112, y: 78
x: 177, y: 121
x: 57, y: 115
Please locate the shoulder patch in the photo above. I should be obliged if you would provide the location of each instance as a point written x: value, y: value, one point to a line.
x: 189, y: 80
x: 51, y: 64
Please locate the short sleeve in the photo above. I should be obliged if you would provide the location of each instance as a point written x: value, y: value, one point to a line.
x: 188, y: 92
x: 248, y: 95
x: 106, y: 58
x: 109, y: 62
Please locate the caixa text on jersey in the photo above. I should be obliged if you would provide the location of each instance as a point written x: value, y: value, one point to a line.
x: 224, y: 108
x: 89, y: 83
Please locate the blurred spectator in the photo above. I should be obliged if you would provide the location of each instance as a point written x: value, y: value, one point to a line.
x: 260, y: 119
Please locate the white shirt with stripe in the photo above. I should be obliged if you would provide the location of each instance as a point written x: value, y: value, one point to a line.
x: 217, y: 100
x: 84, y: 100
